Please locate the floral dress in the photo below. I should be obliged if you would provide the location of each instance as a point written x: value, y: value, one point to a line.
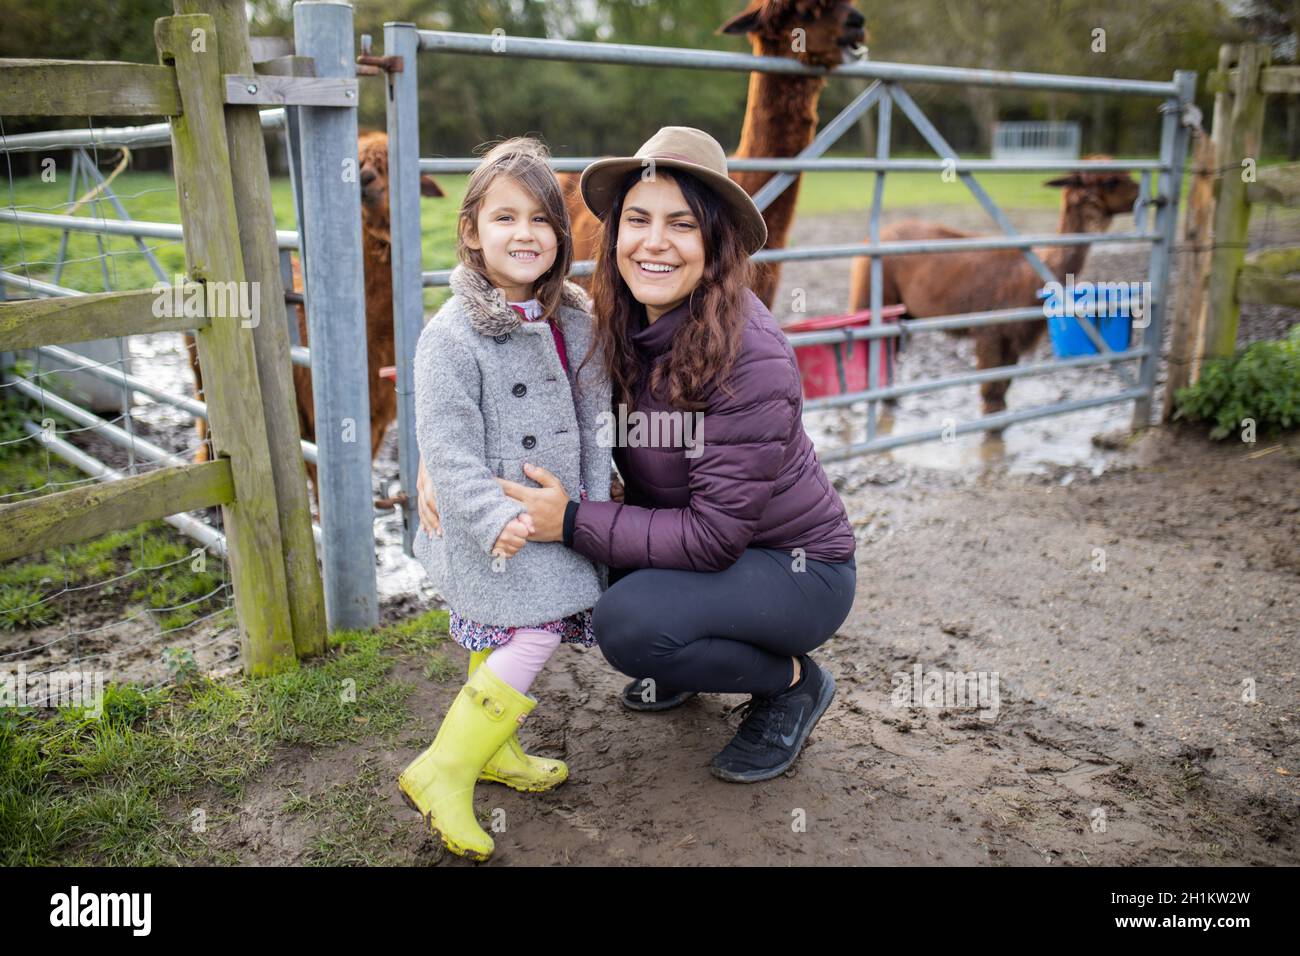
x: 576, y: 628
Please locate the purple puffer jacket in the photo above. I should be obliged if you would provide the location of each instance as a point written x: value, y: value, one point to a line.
x: 755, y: 482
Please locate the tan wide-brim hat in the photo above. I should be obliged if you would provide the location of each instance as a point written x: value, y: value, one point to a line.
x: 678, y: 147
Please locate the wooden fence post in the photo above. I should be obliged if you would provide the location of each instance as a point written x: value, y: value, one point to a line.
x: 1194, y: 273
x: 1238, y: 133
x: 252, y: 188
x: 212, y: 255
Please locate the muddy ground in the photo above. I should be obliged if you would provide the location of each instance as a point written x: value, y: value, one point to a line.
x: 1121, y: 734
x: 1120, y: 696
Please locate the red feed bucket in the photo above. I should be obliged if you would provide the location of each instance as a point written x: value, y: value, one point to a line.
x: 842, y: 367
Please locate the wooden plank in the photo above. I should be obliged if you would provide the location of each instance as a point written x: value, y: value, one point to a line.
x: 1271, y: 277
x: 1238, y: 134
x: 86, y: 88
x: 1284, y: 80
x: 1275, y: 186
x: 252, y: 183
x: 28, y: 323
x: 287, y: 66
x: 65, y: 517
x: 1280, y: 79
x: 268, y: 90
x: 1262, y: 288
x: 201, y: 159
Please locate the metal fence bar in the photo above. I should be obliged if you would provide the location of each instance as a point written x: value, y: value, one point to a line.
x: 884, y: 117
x: 973, y: 378
x: 576, y: 164
x: 575, y: 51
x: 940, y: 323
x: 988, y: 423
x: 334, y: 270
x: 403, y: 116
x: 440, y: 277
x: 1173, y: 152
x: 155, y: 134
x: 109, y: 374
x: 823, y: 141
x: 93, y: 172
x: 115, y: 227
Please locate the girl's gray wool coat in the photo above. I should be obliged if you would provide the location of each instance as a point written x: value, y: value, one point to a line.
x: 491, y: 394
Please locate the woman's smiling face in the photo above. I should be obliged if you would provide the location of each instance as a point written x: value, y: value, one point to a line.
x: 660, y: 245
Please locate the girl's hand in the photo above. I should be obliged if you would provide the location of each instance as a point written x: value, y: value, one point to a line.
x: 428, y: 505
x: 513, y: 536
x: 615, y: 489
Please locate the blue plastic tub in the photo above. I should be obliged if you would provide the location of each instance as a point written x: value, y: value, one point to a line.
x: 1110, y: 312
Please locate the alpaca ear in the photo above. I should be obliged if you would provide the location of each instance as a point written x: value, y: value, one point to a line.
x: 746, y: 21
x: 430, y: 188
x: 1074, y: 179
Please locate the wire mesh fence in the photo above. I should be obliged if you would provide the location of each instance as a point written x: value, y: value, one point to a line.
x: 153, y: 603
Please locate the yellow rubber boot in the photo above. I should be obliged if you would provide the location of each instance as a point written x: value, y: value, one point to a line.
x: 440, y: 782
x: 511, y: 766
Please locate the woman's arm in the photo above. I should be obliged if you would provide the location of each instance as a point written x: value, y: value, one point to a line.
x: 731, y: 482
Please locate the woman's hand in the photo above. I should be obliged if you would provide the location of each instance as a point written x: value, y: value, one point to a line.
x: 545, y: 505
x: 428, y: 506
x: 615, y: 489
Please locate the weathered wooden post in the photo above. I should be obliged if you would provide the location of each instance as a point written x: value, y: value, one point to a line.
x: 1192, y: 277
x: 253, y: 209
x: 213, y: 255
x: 1238, y: 133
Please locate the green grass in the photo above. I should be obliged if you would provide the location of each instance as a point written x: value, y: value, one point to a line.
x: 120, y: 790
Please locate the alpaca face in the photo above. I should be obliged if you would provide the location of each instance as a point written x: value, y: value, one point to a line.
x: 372, y: 174
x: 829, y: 28
x: 1099, y: 195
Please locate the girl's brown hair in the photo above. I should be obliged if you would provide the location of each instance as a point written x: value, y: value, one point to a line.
x: 525, y: 160
x: 705, y: 345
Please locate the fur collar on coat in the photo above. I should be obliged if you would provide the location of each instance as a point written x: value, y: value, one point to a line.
x: 486, y: 307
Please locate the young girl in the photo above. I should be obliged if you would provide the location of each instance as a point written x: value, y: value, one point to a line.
x: 500, y: 380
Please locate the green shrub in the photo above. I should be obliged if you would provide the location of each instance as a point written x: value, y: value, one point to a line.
x: 1260, y: 382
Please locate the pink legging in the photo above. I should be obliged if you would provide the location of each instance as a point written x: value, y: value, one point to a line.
x: 519, y: 662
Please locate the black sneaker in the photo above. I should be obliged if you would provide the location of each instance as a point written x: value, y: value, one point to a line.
x: 641, y: 694
x: 775, y: 728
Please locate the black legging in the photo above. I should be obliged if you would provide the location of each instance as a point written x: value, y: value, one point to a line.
x: 731, y: 631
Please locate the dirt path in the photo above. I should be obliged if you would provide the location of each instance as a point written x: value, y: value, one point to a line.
x: 1120, y: 695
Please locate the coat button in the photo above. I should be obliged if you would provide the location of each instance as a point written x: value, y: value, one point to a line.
x: 520, y: 389
x: 501, y: 339
x: 529, y: 441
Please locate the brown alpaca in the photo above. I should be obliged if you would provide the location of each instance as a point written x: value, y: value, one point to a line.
x: 372, y: 155
x: 950, y: 283
x: 780, y: 114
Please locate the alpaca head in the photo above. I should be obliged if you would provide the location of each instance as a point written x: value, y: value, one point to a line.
x: 1097, y: 197
x: 372, y: 173
x: 830, y: 27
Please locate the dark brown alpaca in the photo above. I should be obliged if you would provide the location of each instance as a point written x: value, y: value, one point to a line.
x: 950, y: 283
x: 372, y: 155
x: 780, y: 114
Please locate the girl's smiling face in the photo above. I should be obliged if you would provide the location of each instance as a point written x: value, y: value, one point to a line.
x: 660, y: 245
x: 516, y: 238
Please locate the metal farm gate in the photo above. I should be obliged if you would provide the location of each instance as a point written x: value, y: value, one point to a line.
x: 1172, y: 107
x: 322, y: 142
